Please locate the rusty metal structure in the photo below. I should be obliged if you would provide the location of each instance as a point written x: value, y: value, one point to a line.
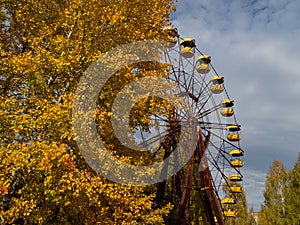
x: 197, y: 190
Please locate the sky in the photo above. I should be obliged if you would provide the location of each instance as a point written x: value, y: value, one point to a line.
x: 255, y: 45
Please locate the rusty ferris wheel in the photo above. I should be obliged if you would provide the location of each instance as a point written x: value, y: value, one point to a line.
x: 217, y: 158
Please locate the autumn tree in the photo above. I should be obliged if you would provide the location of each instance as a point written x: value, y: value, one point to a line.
x: 281, y: 196
x: 273, y: 209
x: 291, y: 195
x: 45, y: 48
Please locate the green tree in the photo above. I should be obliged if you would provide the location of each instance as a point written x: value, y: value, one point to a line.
x: 45, y: 48
x: 251, y: 218
x: 291, y: 196
x: 273, y: 209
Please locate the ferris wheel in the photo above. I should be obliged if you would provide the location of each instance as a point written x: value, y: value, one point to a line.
x: 217, y: 158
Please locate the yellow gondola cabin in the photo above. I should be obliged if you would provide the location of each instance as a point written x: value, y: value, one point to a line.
x: 235, y: 177
x: 236, y: 153
x: 233, y: 127
x: 235, y: 189
x: 188, y: 45
x: 203, y: 64
x: 233, y: 135
x: 237, y: 163
x: 227, y: 112
x: 216, y: 89
x: 227, y: 103
x: 228, y: 201
x: 217, y: 80
x: 172, y: 33
x: 230, y: 213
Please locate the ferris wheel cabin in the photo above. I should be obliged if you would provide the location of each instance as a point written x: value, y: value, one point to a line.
x: 237, y: 163
x: 235, y: 189
x: 217, y: 80
x: 228, y: 201
x: 188, y: 45
x: 227, y: 103
x: 216, y: 87
x: 230, y: 213
x: 235, y: 177
x: 172, y: 34
x: 227, y: 110
x: 202, y: 64
x: 236, y: 153
x: 233, y: 134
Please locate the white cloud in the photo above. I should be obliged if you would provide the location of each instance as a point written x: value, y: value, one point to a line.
x: 255, y: 45
x: 254, y: 185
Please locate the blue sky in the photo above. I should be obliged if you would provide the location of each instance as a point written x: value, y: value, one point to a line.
x: 255, y: 45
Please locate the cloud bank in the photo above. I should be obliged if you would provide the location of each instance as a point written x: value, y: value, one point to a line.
x: 255, y: 45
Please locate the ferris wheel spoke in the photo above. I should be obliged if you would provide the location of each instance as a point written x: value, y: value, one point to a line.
x: 204, y: 102
x: 220, y: 153
x: 204, y: 89
x: 192, y: 80
x: 159, y: 118
x: 209, y: 111
x: 171, y: 66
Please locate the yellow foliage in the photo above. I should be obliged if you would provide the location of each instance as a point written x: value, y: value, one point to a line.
x: 45, y: 48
